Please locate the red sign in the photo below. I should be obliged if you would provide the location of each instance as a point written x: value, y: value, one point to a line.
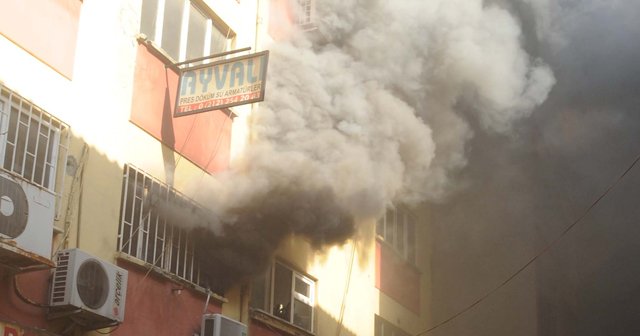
x: 10, y: 330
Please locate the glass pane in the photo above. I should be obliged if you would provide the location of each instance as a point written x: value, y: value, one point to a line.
x: 148, y: 20
x: 380, y: 227
x: 218, y: 40
x: 196, y: 34
x: 377, y: 328
x: 304, y: 12
x: 391, y: 226
x: 8, y: 156
x: 259, y: 291
x: 28, y: 167
x: 302, y: 315
x: 11, y: 137
x: 160, y: 243
x: 32, y: 141
x: 40, y: 159
x: 171, y: 26
x: 302, y: 287
x: 401, y: 232
x: 21, y: 143
x: 282, y: 292
x: 411, y: 241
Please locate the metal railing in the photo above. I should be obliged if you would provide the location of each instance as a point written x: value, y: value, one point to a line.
x: 149, y: 231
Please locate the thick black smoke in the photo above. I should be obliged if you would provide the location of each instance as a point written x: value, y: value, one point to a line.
x: 246, y: 244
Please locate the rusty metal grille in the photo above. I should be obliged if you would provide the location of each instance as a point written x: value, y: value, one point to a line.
x: 58, y: 288
x: 31, y: 140
x: 151, y: 234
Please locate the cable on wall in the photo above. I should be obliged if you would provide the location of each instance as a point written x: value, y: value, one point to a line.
x: 539, y: 254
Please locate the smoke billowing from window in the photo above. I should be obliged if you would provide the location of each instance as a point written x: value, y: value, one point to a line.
x: 365, y: 112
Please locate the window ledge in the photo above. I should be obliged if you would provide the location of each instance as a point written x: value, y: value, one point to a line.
x: 19, y: 260
x: 169, y: 276
x: 277, y: 323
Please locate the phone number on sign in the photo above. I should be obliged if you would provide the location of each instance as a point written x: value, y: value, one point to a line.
x: 213, y: 103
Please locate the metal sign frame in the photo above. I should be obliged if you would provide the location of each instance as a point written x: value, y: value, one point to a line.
x: 206, y: 105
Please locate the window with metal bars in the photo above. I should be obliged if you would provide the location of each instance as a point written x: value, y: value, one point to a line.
x: 397, y: 229
x: 148, y: 231
x: 31, y: 140
x: 285, y: 294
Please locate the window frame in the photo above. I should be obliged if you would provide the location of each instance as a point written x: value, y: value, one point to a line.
x: 213, y: 22
x: 56, y: 137
x: 404, y: 246
x: 383, y: 327
x: 305, y: 14
x: 170, y: 248
x: 268, y: 284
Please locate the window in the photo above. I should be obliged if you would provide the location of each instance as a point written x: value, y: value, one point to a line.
x: 304, y: 14
x: 286, y: 294
x: 30, y: 140
x: 397, y: 229
x: 150, y: 233
x: 384, y: 328
x: 183, y: 29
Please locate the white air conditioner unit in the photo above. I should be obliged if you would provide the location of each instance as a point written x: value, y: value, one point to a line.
x: 89, y: 289
x: 26, y: 215
x: 219, y: 325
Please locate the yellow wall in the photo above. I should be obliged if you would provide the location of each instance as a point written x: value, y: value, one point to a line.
x: 347, y: 300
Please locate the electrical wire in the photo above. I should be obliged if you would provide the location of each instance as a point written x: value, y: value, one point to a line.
x: 78, y: 176
x: 22, y: 297
x: 539, y: 254
x: 217, y: 145
x: 347, y: 286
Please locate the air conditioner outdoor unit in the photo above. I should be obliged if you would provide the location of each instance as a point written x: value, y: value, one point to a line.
x: 89, y: 289
x: 219, y: 325
x: 26, y: 215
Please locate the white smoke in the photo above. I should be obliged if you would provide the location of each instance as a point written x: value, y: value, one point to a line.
x: 363, y: 113
x: 367, y: 105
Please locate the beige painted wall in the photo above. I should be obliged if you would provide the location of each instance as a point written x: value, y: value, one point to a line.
x: 347, y: 300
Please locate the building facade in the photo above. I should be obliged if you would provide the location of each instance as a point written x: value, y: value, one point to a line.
x: 89, y: 146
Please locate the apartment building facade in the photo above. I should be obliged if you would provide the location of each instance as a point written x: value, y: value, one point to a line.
x: 89, y: 145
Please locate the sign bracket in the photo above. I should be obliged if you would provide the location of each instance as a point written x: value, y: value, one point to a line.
x: 194, y: 60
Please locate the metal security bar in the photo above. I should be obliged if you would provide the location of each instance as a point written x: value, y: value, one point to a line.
x: 31, y: 140
x: 149, y: 232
